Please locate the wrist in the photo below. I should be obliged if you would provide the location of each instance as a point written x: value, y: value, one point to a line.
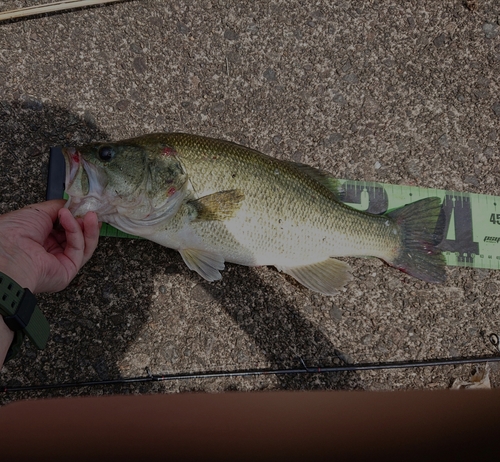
x: 18, y: 275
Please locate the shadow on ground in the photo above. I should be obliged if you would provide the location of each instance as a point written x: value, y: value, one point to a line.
x: 273, y: 319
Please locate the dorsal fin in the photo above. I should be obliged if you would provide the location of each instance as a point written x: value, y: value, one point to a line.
x: 321, y: 176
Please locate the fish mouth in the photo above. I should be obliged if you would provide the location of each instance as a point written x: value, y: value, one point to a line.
x: 73, y: 161
x: 83, y: 184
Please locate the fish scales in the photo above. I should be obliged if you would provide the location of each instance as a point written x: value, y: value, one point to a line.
x: 294, y: 217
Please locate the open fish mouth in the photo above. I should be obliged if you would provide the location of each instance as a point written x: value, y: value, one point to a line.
x: 73, y: 165
x: 83, y: 184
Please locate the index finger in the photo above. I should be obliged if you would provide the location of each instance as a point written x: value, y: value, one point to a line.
x: 51, y: 208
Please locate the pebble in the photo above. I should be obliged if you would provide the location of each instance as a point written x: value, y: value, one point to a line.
x: 122, y: 105
x: 86, y: 323
x: 490, y: 30
x: 170, y: 353
x: 230, y: 34
x: 219, y: 107
x: 454, y: 353
x: 496, y: 108
x: 351, y: 78
x: 182, y: 28
x: 413, y: 168
x: 489, y: 152
x: 469, y: 179
x: 491, y: 288
x: 89, y: 118
x: 140, y: 65
x: 58, y: 339
x: 136, y: 48
x: 32, y: 104
x: 139, y: 361
x: 474, y: 145
x: 270, y: 74
x: 107, y: 292
x: 116, y: 319
x: 336, y: 314
x: 338, y: 98
x: 366, y: 339
x: 439, y: 41
x: 233, y: 57
x: 346, y: 358
x: 443, y: 141
x: 473, y: 331
x: 371, y: 106
x: 332, y: 139
x: 199, y: 294
x: 65, y: 323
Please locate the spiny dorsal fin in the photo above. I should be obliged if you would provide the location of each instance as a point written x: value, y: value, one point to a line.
x: 325, y: 277
x: 218, y: 206
x: 321, y: 176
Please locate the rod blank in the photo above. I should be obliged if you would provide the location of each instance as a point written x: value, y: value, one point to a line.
x: 50, y: 8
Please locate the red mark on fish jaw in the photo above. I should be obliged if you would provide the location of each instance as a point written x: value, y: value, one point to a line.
x: 169, y: 151
x: 76, y: 157
x: 171, y: 191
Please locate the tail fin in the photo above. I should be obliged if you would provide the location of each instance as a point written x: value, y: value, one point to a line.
x: 422, y: 226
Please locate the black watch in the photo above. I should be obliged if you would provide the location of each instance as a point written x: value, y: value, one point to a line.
x: 20, y: 313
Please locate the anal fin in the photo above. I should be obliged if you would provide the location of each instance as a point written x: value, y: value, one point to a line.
x: 206, y: 264
x: 325, y: 277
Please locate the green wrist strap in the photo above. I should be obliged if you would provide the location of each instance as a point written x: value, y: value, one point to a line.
x: 20, y: 313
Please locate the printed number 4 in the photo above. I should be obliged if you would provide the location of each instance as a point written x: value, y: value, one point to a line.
x: 495, y: 218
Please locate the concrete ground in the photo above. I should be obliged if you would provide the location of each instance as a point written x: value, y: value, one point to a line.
x: 397, y: 92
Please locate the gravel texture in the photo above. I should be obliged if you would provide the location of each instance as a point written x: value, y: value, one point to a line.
x: 398, y: 92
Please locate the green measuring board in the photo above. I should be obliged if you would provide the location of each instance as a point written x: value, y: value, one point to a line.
x: 472, y: 221
x: 472, y: 226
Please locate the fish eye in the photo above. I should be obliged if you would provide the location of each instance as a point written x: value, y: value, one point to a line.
x: 106, y: 153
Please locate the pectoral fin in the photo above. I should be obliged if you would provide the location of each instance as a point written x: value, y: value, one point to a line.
x: 325, y: 276
x: 218, y: 206
x: 206, y: 264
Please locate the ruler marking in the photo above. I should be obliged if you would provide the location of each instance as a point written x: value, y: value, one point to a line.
x: 471, y: 239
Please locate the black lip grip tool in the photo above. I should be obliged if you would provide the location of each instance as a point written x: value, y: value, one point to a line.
x: 57, y: 174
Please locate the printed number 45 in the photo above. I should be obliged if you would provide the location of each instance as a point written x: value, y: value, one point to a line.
x: 495, y: 218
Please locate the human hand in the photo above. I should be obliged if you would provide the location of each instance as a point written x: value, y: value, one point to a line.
x: 39, y: 257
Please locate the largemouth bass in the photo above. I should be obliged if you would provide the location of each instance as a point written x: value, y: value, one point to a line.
x: 215, y: 201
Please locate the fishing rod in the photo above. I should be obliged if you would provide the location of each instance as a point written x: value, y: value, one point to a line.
x: 494, y: 339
